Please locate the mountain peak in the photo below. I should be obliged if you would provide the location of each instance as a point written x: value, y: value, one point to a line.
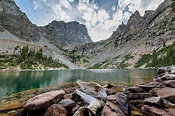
x: 57, y: 32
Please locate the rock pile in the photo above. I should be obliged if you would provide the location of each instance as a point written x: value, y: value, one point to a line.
x: 89, y: 99
x: 154, y: 98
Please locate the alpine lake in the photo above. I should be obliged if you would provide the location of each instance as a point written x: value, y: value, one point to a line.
x: 16, y: 87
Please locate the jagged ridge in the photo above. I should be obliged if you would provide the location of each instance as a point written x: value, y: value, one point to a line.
x: 57, y: 32
x: 141, y: 35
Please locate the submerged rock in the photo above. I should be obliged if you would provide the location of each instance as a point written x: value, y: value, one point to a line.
x: 56, y: 110
x: 43, y: 101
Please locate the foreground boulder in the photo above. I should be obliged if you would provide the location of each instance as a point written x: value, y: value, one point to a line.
x: 122, y: 102
x: 147, y: 86
x: 167, y: 93
x: 67, y: 103
x: 170, y: 83
x: 111, y: 109
x: 43, y: 101
x: 157, y: 97
x: 116, y: 105
x: 134, y: 96
x: 154, y: 101
x: 155, y: 111
x: 173, y: 70
x: 135, y: 90
x: 56, y: 110
x: 161, y: 70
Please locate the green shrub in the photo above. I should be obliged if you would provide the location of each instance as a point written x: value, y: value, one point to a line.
x: 164, y: 57
x: 27, y: 58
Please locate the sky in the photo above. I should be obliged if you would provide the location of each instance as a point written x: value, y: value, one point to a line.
x: 101, y: 17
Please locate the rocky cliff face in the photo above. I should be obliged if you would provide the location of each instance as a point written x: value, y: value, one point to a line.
x: 17, y: 30
x: 57, y: 32
x: 60, y: 33
x: 141, y: 35
x: 16, y: 22
x: 157, y: 26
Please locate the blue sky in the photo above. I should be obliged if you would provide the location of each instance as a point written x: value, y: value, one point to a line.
x: 101, y: 17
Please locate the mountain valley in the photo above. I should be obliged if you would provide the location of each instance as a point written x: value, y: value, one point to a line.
x: 149, y: 37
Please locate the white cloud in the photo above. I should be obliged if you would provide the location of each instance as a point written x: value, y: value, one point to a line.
x: 94, y: 20
x: 100, y: 24
x: 65, y: 4
x: 99, y: 33
x: 35, y: 5
x: 71, y: 0
x: 102, y: 15
x: 142, y: 5
x: 113, y: 8
x: 123, y: 3
x: 60, y: 14
x: 88, y: 15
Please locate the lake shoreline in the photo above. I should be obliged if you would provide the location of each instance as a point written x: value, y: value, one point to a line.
x: 111, y: 90
x: 6, y: 70
x: 149, y: 98
x: 153, y: 98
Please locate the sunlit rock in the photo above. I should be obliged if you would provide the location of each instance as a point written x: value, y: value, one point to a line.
x: 43, y: 101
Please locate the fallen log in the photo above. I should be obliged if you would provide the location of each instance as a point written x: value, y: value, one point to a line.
x: 93, y: 94
x: 92, y: 89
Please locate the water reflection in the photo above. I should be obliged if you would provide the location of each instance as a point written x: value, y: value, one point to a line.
x: 12, y: 82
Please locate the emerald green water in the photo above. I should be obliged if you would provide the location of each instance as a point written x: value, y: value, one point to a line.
x: 17, y: 81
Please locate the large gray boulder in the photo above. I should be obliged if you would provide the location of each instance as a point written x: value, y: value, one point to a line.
x: 43, y: 101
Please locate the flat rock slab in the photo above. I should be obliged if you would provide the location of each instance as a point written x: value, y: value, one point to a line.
x: 168, y: 77
x: 154, y: 101
x: 135, y: 96
x: 11, y: 106
x: 43, y: 101
x: 56, y: 110
x: 167, y: 93
x: 122, y: 103
x: 154, y: 110
x: 135, y: 90
x: 147, y: 87
x: 170, y: 83
x: 171, y: 111
x: 111, y: 109
x: 112, y: 97
x: 67, y: 103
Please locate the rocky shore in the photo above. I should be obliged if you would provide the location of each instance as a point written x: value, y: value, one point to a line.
x: 156, y: 98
